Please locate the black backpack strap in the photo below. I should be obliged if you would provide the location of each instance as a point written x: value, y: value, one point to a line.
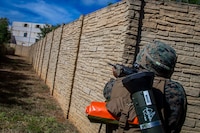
x: 100, y: 127
x: 123, y: 119
x: 159, y: 92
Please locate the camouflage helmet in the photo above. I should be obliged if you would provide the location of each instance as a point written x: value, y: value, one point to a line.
x: 157, y: 57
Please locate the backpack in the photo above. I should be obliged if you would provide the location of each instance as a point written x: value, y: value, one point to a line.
x: 170, y: 99
x: 119, y: 103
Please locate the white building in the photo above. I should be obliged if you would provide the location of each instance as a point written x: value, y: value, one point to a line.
x: 25, y: 33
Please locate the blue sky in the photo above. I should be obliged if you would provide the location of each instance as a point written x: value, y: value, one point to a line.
x: 49, y: 11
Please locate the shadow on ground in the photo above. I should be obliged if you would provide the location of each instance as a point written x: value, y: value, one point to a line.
x: 25, y: 102
x: 12, y: 79
x: 11, y: 88
x: 14, y: 63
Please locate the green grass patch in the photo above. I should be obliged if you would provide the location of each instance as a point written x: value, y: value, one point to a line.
x: 21, y: 122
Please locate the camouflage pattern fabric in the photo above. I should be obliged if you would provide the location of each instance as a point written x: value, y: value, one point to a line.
x: 175, y: 106
x: 159, y: 58
x: 108, y: 88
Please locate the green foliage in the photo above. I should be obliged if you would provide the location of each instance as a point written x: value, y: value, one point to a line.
x: 194, y: 2
x: 5, y: 34
x: 46, y: 29
x: 189, y: 1
x: 109, y: 3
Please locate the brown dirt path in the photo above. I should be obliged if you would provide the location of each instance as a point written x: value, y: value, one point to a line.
x: 25, y: 102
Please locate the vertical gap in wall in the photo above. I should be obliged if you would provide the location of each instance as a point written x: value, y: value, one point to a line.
x: 31, y: 54
x: 59, y: 46
x: 141, y: 17
x: 40, y: 55
x: 21, y: 50
x: 45, y: 42
x: 75, y: 65
x: 35, y: 56
x: 49, y: 55
x: 33, y: 50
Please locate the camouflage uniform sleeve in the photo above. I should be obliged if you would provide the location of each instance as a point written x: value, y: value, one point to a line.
x: 108, y: 88
x: 175, y: 107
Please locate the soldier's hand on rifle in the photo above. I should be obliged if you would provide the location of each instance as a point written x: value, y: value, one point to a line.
x: 114, y: 72
x: 121, y: 70
x: 117, y: 70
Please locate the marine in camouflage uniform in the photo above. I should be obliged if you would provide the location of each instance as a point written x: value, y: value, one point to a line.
x: 160, y: 58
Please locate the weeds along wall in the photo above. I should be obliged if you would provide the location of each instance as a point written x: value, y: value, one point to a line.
x: 72, y: 59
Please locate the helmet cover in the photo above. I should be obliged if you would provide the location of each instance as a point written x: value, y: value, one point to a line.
x: 159, y: 58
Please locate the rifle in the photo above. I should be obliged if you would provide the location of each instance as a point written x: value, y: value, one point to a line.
x: 121, y: 70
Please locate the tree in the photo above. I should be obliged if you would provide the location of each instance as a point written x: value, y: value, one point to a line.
x: 46, y: 29
x: 194, y: 2
x: 5, y: 34
x: 189, y: 1
x: 109, y: 3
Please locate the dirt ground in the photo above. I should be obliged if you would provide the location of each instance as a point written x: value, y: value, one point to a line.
x: 25, y: 102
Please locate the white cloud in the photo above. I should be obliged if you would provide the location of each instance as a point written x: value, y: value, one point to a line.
x: 52, y: 13
x: 12, y: 15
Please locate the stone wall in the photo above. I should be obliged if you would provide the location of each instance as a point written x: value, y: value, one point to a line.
x: 179, y: 26
x: 66, y: 64
x: 46, y: 55
x: 21, y: 50
x: 53, y: 57
x: 102, y: 40
x: 72, y: 59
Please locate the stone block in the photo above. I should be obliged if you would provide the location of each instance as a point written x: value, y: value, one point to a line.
x: 197, y: 54
x: 148, y: 24
x: 192, y: 71
x: 175, y: 8
x: 179, y: 21
x: 190, y: 122
x: 187, y: 30
x: 166, y: 28
x: 153, y: 6
x: 194, y: 101
x: 193, y: 109
x: 191, y: 91
x: 198, y: 124
x: 189, y: 60
x: 195, y: 41
x: 180, y: 34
